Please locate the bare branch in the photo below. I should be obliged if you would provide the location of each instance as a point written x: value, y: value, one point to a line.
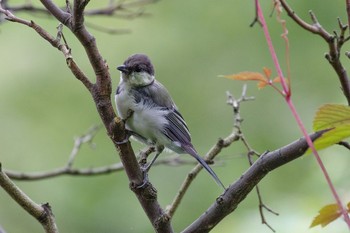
x: 42, y: 213
x: 214, y: 151
x: 55, y: 42
x: 103, y: 170
x: 334, y: 44
x: 263, y: 207
x: 78, y: 142
x: 237, y: 192
x: 235, y: 104
x: 122, y: 9
x: 58, y: 13
x: 101, y: 92
x: 315, y: 28
x: 78, y: 13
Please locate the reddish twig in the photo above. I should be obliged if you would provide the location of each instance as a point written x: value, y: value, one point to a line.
x: 333, y: 55
x: 316, y: 28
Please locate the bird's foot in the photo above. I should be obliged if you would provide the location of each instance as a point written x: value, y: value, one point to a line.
x: 145, y: 180
x: 128, y: 134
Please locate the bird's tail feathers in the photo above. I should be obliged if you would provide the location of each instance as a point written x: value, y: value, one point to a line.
x: 190, y: 150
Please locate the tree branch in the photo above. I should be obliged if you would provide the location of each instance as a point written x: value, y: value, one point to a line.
x: 237, y: 192
x: 78, y: 13
x: 57, y: 12
x: 55, y: 42
x: 334, y: 44
x: 110, y: 10
x: 42, y: 213
x: 214, y: 151
x: 101, y: 92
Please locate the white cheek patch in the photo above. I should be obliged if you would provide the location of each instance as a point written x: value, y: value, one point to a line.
x: 140, y: 78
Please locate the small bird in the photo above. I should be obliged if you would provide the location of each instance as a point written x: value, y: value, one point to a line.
x: 149, y: 112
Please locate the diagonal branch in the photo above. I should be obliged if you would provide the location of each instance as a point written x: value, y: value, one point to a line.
x: 57, y: 12
x: 215, y: 150
x: 55, y: 42
x: 237, y: 192
x: 40, y: 212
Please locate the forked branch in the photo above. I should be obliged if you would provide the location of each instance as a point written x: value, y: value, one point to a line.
x: 334, y: 42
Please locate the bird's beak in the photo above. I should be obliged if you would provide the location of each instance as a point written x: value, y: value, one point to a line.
x: 123, y: 69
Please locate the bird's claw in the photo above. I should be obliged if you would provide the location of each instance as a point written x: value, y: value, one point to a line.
x: 126, y: 139
x: 145, y: 180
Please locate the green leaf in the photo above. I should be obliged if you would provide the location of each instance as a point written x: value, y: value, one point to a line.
x: 335, y: 118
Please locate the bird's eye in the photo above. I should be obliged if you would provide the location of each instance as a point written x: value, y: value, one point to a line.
x: 138, y: 69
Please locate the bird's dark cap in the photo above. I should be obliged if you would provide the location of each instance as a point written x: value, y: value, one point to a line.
x: 137, y: 63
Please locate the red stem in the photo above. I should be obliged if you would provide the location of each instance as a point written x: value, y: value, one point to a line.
x: 287, y: 96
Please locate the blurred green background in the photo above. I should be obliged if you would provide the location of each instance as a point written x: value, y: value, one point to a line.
x: 43, y: 107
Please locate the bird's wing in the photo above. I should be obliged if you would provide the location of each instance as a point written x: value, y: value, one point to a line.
x: 156, y: 95
x: 177, y: 129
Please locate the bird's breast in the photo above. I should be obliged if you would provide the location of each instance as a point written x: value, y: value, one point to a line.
x: 146, y: 120
x: 124, y: 102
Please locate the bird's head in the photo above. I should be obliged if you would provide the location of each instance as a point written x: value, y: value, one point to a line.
x: 137, y: 70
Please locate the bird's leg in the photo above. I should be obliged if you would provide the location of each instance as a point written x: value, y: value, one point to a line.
x: 159, y: 150
x: 145, y: 170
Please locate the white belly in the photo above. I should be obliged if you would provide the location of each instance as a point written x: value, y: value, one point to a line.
x: 147, y: 121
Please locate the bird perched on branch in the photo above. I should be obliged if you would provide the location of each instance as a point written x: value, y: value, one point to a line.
x: 150, y: 114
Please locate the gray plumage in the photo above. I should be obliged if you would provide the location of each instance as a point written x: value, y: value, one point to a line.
x: 154, y: 119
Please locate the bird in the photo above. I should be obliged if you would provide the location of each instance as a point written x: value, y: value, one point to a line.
x: 150, y: 114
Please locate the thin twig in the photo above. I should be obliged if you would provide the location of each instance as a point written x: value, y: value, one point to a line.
x: 121, y: 9
x: 33, y: 176
x: 55, y: 42
x: 213, y: 152
x: 78, y: 142
x: 334, y: 44
x: 235, y: 104
x: 95, y: 171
